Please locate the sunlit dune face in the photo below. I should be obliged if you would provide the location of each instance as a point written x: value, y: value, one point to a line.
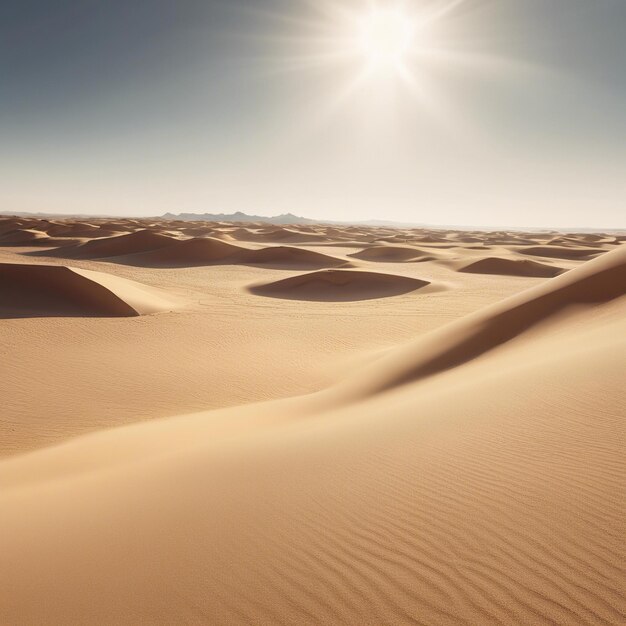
x: 386, y: 36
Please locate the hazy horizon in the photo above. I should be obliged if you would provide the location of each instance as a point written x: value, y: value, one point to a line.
x: 493, y: 114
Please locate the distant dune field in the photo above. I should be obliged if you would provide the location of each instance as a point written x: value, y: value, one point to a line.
x: 217, y: 423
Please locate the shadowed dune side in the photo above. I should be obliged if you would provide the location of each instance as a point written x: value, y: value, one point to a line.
x: 286, y: 257
x: 22, y: 236
x: 596, y: 281
x: 36, y: 238
x: 339, y: 286
x: 55, y: 290
x: 392, y: 254
x: 11, y: 224
x: 555, y: 252
x: 511, y: 267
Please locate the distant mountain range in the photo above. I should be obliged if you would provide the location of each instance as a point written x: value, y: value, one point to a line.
x: 286, y: 218
x: 290, y: 218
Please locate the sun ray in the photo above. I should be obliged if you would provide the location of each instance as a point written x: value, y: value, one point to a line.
x: 372, y: 43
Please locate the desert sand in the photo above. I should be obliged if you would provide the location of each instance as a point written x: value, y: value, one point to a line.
x: 217, y: 423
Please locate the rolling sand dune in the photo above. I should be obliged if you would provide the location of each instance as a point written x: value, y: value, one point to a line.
x: 596, y: 281
x: 281, y: 235
x: 9, y: 224
x: 209, y: 250
x: 36, y: 238
x: 120, y: 245
x: 22, y: 236
x: 339, y: 285
x: 511, y: 267
x: 456, y: 458
x: 78, y: 229
x: 54, y: 290
x: 291, y: 258
x: 188, y: 252
x: 572, y: 254
x: 490, y: 493
x: 392, y: 254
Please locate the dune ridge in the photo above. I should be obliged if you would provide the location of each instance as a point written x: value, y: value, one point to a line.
x: 600, y: 280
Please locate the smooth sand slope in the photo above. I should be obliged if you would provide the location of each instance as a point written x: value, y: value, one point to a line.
x: 474, y: 476
x: 597, y: 281
x: 54, y: 290
x: 339, y: 285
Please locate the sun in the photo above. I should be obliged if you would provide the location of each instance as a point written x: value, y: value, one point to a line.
x: 386, y: 36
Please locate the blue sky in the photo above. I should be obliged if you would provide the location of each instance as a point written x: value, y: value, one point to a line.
x: 503, y: 112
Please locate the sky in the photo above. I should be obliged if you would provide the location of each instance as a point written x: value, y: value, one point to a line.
x: 492, y: 113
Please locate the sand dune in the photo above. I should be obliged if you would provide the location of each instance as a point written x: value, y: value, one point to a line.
x: 172, y: 252
x: 188, y: 252
x: 54, y: 290
x: 392, y: 254
x: 281, y: 235
x: 22, y: 236
x: 9, y: 224
x: 597, y: 281
x: 291, y: 258
x: 555, y: 252
x: 120, y: 245
x: 339, y: 285
x: 444, y: 459
x: 511, y: 267
x: 440, y: 501
x: 36, y: 238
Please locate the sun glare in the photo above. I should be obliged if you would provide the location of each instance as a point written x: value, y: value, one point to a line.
x: 386, y: 36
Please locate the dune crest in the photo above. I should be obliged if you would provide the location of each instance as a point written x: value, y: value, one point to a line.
x: 55, y: 290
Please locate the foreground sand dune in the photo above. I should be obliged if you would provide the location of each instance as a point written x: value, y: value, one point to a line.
x: 54, y: 290
x: 597, y: 281
x: 439, y: 501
